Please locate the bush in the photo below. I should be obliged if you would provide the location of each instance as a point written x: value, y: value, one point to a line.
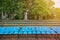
x: 19, y: 17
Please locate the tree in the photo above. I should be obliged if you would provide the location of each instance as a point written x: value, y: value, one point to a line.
x: 11, y: 7
x: 27, y: 7
x: 57, y: 13
x: 40, y: 7
x: 51, y: 7
x: 36, y: 7
x: 1, y: 7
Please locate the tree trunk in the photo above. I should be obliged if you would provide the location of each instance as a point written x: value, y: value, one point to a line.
x: 39, y: 17
x: 2, y: 14
x: 25, y: 16
x: 35, y: 17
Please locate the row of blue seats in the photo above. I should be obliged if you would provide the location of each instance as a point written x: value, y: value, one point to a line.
x: 27, y: 30
x: 56, y: 29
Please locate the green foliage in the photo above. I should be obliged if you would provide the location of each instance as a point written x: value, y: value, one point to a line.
x: 19, y: 17
x: 57, y: 13
x: 40, y: 8
x: 11, y: 7
x: 16, y: 8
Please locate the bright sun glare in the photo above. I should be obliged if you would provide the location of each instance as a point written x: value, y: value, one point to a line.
x: 57, y: 3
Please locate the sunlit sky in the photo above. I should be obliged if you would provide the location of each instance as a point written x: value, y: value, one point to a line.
x: 57, y: 3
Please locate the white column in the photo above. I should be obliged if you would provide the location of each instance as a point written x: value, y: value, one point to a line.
x: 2, y: 14
x: 25, y: 16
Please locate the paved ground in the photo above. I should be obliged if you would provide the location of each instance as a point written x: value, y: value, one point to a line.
x: 29, y: 37
x: 32, y: 22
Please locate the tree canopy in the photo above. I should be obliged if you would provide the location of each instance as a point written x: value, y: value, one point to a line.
x: 17, y: 8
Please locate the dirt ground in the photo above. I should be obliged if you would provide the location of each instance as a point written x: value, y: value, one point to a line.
x: 29, y: 37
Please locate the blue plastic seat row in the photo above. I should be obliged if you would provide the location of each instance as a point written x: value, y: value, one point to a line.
x: 29, y: 30
x: 57, y: 29
x: 9, y: 30
x: 52, y: 32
